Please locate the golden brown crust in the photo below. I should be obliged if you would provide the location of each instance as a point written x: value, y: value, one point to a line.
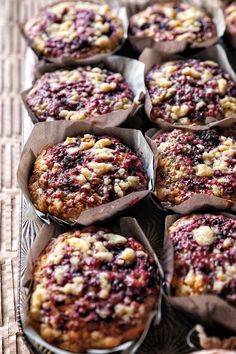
x: 82, y: 173
x: 76, y: 29
x: 93, y: 289
x: 189, y: 92
x: 191, y: 163
x: 173, y: 21
x: 79, y: 94
x: 204, y: 256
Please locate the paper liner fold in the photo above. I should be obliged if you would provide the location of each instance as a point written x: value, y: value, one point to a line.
x: 68, y: 59
x: 140, y: 43
x: 55, y: 132
x: 150, y: 57
x: 211, y: 309
x: 126, y: 227
x: 197, y: 201
x: 210, y: 342
x: 133, y: 72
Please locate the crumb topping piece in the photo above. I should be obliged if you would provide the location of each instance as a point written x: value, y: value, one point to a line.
x: 204, y: 256
x: 204, y: 235
x: 188, y: 92
x: 84, y: 172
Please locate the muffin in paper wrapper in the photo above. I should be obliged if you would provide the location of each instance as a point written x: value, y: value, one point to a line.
x: 56, y: 132
x: 171, y: 47
x: 151, y: 57
x: 132, y: 71
x: 211, y: 309
x: 197, y: 201
x: 68, y: 59
x: 126, y: 227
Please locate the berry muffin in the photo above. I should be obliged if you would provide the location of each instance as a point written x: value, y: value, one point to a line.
x: 188, y: 92
x: 173, y: 21
x: 190, y: 163
x: 93, y: 289
x: 84, y: 172
x: 76, y: 29
x: 204, y: 256
x: 78, y: 94
x: 230, y: 17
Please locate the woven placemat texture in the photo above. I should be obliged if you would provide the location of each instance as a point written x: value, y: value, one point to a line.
x: 12, y: 51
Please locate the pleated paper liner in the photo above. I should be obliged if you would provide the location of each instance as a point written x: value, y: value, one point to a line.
x: 171, y: 47
x: 67, y: 59
x: 209, y: 341
x: 133, y: 72
x: 151, y: 57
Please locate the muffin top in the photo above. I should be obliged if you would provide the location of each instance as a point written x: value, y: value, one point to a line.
x: 84, y: 172
x: 173, y: 21
x: 93, y: 289
x: 78, y: 94
x: 230, y: 17
x: 76, y: 29
x: 188, y: 92
x: 204, y: 256
x: 190, y: 163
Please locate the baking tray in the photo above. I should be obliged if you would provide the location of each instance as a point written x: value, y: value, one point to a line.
x: 171, y: 335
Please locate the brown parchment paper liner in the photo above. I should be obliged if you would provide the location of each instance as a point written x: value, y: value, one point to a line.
x: 126, y: 226
x: 208, y: 342
x: 55, y: 132
x: 133, y: 72
x: 140, y: 43
x: 198, y: 201
x: 150, y: 57
x: 68, y: 59
x: 209, y: 308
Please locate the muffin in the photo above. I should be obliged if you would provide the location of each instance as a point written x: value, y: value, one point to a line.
x: 188, y: 92
x: 195, y: 162
x: 78, y: 94
x: 173, y: 21
x: 84, y: 172
x: 93, y: 289
x: 76, y: 29
x: 204, y: 256
x: 230, y: 17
